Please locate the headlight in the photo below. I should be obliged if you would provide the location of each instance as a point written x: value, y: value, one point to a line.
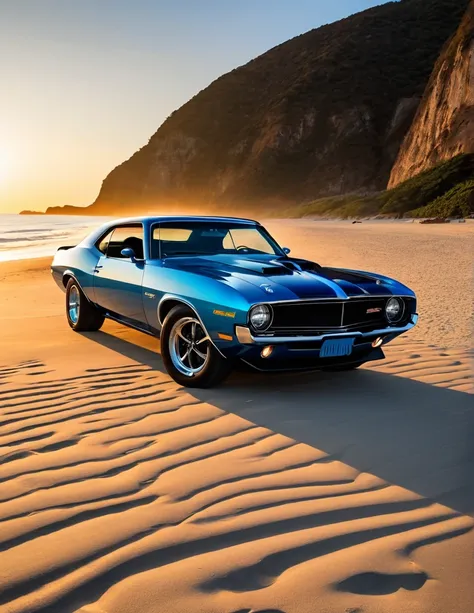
x: 394, y: 310
x: 260, y: 317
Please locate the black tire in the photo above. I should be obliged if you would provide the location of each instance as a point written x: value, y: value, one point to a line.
x: 88, y: 317
x: 213, y: 369
x: 343, y: 367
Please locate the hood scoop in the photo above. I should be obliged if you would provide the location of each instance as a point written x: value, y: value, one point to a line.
x: 310, y: 266
x: 284, y: 267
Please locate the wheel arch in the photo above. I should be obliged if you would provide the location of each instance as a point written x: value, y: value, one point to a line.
x: 168, y: 302
x: 67, y: 276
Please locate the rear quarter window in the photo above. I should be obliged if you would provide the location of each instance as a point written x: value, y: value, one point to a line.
x: 103, y: 242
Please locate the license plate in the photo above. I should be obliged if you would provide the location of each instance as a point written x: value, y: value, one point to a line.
x: 336, y: 348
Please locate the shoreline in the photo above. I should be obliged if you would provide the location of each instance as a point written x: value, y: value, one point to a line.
x: 76, y: 232
x: 387, y: 217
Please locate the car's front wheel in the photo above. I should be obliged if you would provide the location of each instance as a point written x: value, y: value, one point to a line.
x: 188, y: 354
x: 81, y: 315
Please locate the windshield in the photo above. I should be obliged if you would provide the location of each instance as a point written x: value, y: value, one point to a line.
x: 210, y: 238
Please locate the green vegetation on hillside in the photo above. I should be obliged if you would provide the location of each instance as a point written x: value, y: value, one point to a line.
x: 423, y: 189
x: 457, y: 202
x: 447, y: 190
x: 351, y: 205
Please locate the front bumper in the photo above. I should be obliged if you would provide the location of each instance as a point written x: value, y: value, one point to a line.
x: 303, y: 352
x: 245, y: 336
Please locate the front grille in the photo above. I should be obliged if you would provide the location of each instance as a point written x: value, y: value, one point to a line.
x: 364, y: 312
x: 307, y: 315
x: 316, y: 318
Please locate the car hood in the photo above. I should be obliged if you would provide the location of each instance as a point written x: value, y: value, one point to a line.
x: 282, y: 278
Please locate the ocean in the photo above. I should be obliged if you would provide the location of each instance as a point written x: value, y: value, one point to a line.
x: 33, y: 236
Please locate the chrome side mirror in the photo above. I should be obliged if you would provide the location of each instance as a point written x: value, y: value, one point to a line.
x: 286, y: 250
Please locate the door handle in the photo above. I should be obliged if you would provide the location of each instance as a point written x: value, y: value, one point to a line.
x: 96, y: 269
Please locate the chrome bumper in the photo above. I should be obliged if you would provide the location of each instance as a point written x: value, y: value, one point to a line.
x: 245, y: 337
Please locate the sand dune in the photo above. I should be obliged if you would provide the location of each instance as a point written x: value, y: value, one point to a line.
x: 121, y: 492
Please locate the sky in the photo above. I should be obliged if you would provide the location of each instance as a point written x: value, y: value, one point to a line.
x: 85, y: 83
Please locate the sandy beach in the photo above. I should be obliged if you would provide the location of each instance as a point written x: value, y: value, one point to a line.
x: 331, y: 493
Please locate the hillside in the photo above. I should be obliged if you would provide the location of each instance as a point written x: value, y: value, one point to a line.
x: 444, y: 124
x: 322, y: 114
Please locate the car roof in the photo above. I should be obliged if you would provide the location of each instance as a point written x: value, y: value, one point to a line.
x: 148, y: 220
x: 177, y: 218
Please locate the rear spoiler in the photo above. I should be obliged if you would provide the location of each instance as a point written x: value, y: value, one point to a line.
x: 66, y: 248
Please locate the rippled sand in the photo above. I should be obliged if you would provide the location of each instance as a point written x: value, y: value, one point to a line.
x: 121, y: 492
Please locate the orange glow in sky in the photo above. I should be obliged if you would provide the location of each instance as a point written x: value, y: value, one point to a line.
x: 85, y: 84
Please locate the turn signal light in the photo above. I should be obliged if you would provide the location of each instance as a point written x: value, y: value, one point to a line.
x: 377, y: 342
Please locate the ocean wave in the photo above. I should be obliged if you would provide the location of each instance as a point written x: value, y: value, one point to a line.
x: 24, y: 237
x: 38, y: 238
x: 17, y: 231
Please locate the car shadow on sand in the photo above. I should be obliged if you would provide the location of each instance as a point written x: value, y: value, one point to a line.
x: 406, y: 432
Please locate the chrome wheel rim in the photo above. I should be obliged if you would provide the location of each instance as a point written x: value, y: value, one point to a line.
x: 73, y: 304
x: 189, y: 346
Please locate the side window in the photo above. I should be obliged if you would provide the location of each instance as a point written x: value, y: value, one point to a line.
x: 104, y: 242
x: 125, y: 236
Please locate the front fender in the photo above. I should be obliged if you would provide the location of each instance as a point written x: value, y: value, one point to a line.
x: 219, y: 306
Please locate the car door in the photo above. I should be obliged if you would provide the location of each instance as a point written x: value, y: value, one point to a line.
x: 118, y: 280
x: 159, y: 280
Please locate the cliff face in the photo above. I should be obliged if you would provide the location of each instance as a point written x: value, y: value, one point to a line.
x: 322, y: 114
x: 444, y: 124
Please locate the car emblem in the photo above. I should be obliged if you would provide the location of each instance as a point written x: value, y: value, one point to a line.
x: 376, y: 310
x: 267, y: 288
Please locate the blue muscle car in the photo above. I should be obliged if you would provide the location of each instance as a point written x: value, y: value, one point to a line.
x: 219, y: 291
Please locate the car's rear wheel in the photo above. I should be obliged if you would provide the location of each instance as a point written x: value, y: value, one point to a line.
x: 81, y: 315
x: 188, y: 354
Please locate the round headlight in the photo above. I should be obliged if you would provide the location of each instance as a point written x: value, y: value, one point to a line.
x: 394, y: 310
x: 260, y: 316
